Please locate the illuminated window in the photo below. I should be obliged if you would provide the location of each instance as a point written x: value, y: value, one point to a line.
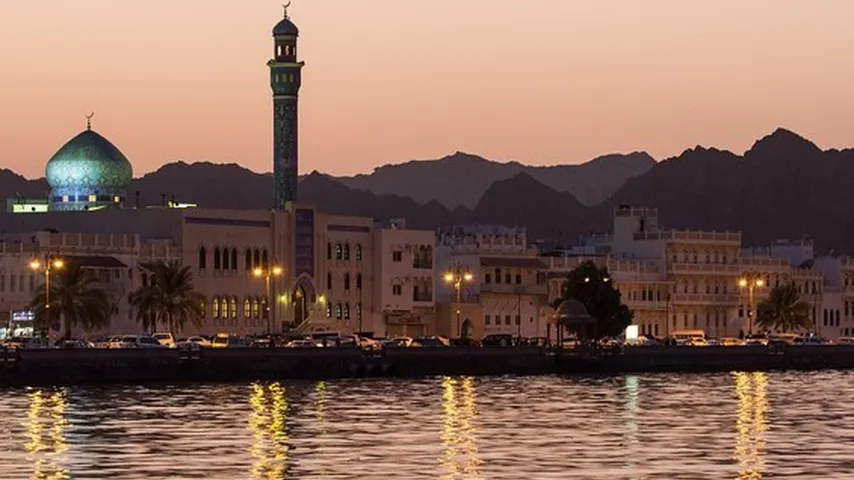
x: 359, y: 311
x: 328, y: 310
x: 215, y: 307
x: 256, y: 308
x: 116, y: 199
x: 346, y: 251
x: 224, y: 307
x: 247, y: 308
x: 65, y: 199
x: 279, y: 51
x: 338, y: 251
x: 233, y: 307
x: 338, y: 311
x: 346, y: 311
x: 358, y: 252
x: 93, y: 198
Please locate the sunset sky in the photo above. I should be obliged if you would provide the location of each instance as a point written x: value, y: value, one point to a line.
x: 386, y: 81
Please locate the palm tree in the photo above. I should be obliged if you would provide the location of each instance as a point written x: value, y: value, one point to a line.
x: 784, y: 310
x: 168, y: 298
x: 75, y: 300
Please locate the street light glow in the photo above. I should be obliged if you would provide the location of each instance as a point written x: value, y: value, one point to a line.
x: 449, y: 277
x: 742, y: 282
x: 586, y: 279
x: 468, y: 277
x: 760, y: 282
x: 277, y: 270
x: 35, y: 265
x: 258, y: 272
x: 58, y: 263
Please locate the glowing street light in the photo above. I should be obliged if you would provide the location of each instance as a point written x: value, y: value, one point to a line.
x: 456, y: 276
x: 48, y: 264
x: 268, y: 274
x: 750, y: 282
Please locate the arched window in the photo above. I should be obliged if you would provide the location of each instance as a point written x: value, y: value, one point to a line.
x: 203, y: 257
x: 346, y: 281
x: 223, y: 309
x: 226, y: 265
x: 328, y: 310
x: 338, y: 252
x: 338, y: 311
x: 216, y: 259
x: 837, y: 318
x: 346, y: 311
x: 825, y: 317
x: 358, y: 252
x: 329, y: 250
x: 358, y: 311
x: 256, y: 308
x: 215, y: 307
x: 265, y: 259
x: 359, y: 281
x: 264, y: 312
x: 233, y: 309
x: 346, y: 251
x: 247, y: 308
x: 257, y: 262
x: 329, y: 281
x: 234, y: 259
x: 144, y: 279
x: 248, y: 259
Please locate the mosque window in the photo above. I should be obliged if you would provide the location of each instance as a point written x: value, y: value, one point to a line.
x: 359, y: 281
x: 329, y: 250
x: 247, y: 308
x: 292, y: 78
x: 233, y: 309
x: 338, y: 251
x: 93, y: 198
x: 347, y: 311
x: 358, y: 252
x: 234, y: 259
x: 359, y: 311
x: 216, y: 259
x: 346, y: 251
x: 215, y: 307
x: 256, y: 308
x: 224, y: 307
x: 264, y: 259
x: 257, y: 258
x: 225, y: 263
x: 329, y: 281
x: 203, y: 257
x: 328, y: 310
x: 248, y: 259
x: 279, y: 51
x: 338, y: 311
x: 346, y: 281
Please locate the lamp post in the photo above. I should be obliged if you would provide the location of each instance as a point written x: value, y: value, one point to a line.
x: 750, y: 282
x: 456, y: 276
x: 47, y: 264
x: 268, y: 274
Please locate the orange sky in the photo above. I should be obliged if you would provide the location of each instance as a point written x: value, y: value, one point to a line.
x: 539, y: 81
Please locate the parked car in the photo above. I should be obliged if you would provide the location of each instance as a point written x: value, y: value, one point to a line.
x: 220, y: 340
x: 197, y: 341
x: 136, y: 341
x: 165, y: 338
x: 433, y: 341
x: 76, y: 344
x: 301, y: 344
x: 397, y: 342
x: 497, y: 340
x: 732, y: 342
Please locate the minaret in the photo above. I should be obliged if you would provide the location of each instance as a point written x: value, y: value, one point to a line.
x: 285, y: 79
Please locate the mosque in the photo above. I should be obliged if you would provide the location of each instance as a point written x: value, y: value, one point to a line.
x: 261, y: 271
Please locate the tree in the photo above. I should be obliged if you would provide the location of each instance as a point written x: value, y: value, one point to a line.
x: 75, y: 300
x: 594, y: 287
x: 168, y: 298
x: 784, y: 310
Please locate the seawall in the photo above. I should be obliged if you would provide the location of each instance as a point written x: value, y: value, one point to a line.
x: 72, y: 366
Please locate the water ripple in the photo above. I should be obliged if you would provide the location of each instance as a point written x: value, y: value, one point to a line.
x: 738, y: 425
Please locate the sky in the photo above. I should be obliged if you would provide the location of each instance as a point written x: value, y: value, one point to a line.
x: 386, y: 81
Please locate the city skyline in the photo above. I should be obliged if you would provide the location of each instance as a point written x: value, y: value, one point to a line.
x: 660, y: 78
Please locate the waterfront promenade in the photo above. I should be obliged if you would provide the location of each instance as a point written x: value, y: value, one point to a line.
x: 73, y: 366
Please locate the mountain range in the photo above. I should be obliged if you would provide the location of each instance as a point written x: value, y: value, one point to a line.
x: 784, y: 186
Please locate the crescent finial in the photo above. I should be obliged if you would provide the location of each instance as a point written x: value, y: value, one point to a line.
x: 89, y: 121
x: 285, y: 7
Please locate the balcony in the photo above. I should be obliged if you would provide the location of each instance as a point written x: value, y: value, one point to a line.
x: 692, y: 236
x: 514, y: 289
x: 656, y: 305
x: 728, y: 299
x: 682, y: 268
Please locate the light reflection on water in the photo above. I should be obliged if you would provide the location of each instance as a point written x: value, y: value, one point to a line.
x: 739, y: 425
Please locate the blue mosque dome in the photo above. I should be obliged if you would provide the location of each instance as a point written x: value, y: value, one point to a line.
x: 87, y: 173
x: 285, y: 27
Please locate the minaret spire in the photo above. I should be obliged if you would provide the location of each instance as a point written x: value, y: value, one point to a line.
x: 89, y: 121
x: 285, y: 8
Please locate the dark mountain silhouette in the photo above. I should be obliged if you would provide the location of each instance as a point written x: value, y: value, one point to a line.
x: 784, y: 186
x: 461, y: 179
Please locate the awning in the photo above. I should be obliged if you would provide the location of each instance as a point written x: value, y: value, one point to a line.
x: 510, y: 262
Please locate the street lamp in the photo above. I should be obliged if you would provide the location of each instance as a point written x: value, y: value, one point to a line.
x: 268, y: 274
x: 456, y: 276
x: 750, y: 282
x: 47, y: 265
